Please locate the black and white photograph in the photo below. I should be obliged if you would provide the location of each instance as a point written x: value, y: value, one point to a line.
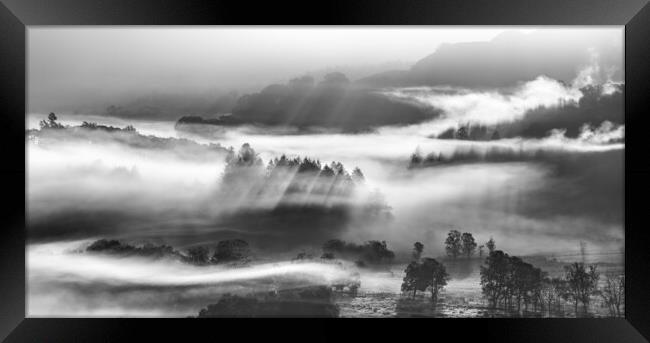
x: 312, y: 171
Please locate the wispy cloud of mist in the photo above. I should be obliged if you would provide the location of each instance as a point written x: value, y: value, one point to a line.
x: 152, y: 189
x: 110, y: 286
x: 492, y: 107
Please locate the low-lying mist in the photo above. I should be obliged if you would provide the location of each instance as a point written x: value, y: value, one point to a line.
x: 65, y: 281
x: 116, y: 190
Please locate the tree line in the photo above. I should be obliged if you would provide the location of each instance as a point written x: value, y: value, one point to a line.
x: 52, y: 123
x: 472, y: 132
x: 51, y: 132
x: 247, y: 157
x: 509, y: 282
x: 226, y: 251
x: 296, y: 181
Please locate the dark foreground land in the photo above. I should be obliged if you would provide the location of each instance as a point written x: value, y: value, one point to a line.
x: 380, y: 298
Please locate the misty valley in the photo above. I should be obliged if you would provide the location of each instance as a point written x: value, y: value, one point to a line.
x: 127, y: 224
x: 485, y: 180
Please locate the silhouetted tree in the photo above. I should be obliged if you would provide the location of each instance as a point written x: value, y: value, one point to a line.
x: 494, y: 277
x: 428, y: 274
x: 416, y: 158
x: 308, y: 165
x: 245, y: 158
x: 51, y: 122
x: 435, y: 272
x: 525, y: 282
x: 357, y: 175
x: 468, y: 244
x: 505, y: 279
x: 453, y: 243
x: 581, y: 284
x: 411, y: 278
x: 88, y: 125
x: 377, y: 252
x: 417, y: 250
x: 327, y: 172
x: 244, y: 170
x: 480, y: 250
x: 490, y: 245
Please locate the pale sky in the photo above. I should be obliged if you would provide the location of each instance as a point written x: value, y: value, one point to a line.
x: 109, y: 59
x: 75, y: 64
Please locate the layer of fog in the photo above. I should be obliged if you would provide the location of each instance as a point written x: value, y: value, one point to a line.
x: 165, y: 195
x: 168, y: 195
x: 63, y: 280
x: 495, y: 106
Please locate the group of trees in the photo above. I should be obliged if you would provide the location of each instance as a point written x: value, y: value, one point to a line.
x: 51, y: 122
x: 108, y: 128
x: 473, y: 132
x: 370, y: 252
x: 248, y: 157
x: 291, y: 182
x: 247, y: 162
x: 115, y: 247
x: 596, y: 106
x: 458, y: 244
x: 424, y: 273
x: 508, y: 281
x: 494, y: 154
x: 53, y: 132
x: 226, y: 251
x: 306, y: 165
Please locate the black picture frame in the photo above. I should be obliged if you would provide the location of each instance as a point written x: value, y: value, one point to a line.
x: 17, y: 15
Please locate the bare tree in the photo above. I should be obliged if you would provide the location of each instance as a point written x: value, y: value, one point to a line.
x: 613, y: 294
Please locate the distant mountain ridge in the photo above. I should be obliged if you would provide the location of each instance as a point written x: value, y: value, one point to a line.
x: 508, y: 59
x: 333, y: 103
